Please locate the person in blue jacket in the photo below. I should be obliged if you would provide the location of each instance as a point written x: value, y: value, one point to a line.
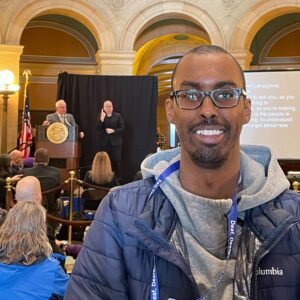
x: 27, y: 269
x: 211, y: 219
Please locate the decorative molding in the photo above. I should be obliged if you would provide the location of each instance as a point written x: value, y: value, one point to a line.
x: 39, y: 79
x: 229, y: 4
x: 58, y: 59
x: 265, y: 59
x: 116, y: 4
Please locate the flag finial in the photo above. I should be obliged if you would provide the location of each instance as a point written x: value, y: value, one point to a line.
x: 26, y: 73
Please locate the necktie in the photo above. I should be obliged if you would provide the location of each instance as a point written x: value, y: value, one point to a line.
x: 62, y: 118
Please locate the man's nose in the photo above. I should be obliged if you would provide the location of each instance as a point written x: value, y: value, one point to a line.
x: 207, y: 108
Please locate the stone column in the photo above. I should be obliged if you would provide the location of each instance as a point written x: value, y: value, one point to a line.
x: 115, y: 62
x: 10, y: 59
x: 244, y: 58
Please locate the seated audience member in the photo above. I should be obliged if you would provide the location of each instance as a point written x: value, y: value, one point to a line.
x: 48, y: 176
x: 69, y: 249
x: 5, y: 166
x: 5, y: 171
x: 17, y: 159
x: 28, y: 162
x: 101, y: 173
x: 27, y: 267
x: 29, y: 189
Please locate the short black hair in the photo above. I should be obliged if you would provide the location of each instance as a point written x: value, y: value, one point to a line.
x: 41, y: 156
x: 207, y: 49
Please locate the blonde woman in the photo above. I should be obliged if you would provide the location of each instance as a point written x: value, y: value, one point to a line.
x: 101, y: 173
x: 27, y: 269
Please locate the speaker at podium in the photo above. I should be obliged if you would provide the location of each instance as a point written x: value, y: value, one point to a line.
x: 62, y: 144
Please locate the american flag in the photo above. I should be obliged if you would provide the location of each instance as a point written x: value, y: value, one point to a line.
x: 26, y: 134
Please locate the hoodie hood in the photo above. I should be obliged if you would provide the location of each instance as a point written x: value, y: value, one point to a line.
x: 262, y: 176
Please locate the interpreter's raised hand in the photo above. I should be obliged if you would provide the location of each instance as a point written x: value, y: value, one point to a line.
x: 102, y: 115
x: 46, y: 123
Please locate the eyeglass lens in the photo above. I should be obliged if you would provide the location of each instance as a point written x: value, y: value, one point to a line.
x: 220, y: 97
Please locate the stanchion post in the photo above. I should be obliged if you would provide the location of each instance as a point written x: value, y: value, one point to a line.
x: 295, y: 185
x: 8, y: 199
x: 72, y: 177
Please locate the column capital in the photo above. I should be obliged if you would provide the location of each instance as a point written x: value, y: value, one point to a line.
x: 115, y: 62
x: 11, y: 50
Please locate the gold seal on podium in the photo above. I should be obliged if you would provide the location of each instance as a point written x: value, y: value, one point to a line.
x: 57, y: 133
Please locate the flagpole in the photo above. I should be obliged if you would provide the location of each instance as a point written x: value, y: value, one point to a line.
x: 26, y: 73
x: 26, y: 125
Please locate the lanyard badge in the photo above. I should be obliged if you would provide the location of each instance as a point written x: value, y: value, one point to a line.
x: 231, y: 232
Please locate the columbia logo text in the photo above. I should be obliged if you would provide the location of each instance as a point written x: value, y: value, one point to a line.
x: 273, y: 272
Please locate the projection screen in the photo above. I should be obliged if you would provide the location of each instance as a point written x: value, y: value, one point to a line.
x: 275, y: 120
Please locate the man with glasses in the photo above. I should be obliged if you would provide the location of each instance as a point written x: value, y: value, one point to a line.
x: 62, y: 116
x: 211, y: 219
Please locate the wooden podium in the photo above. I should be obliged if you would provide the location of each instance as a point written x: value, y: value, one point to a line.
x: 64, y: 155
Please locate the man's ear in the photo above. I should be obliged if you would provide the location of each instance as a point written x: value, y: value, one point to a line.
x: 247, y: 111
x: 169, y: 106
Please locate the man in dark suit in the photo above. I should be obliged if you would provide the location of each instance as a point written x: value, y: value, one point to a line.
x: 48, y: 176
x: 62, y: 116
x: 111, y: 128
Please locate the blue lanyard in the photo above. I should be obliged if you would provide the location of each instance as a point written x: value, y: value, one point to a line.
x: 231, y: 231
x: 172, y: 168
x: 154, y: 290
x: 231, y: 226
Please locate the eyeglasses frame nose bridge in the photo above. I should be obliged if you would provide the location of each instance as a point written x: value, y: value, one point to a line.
x: 207, y: 94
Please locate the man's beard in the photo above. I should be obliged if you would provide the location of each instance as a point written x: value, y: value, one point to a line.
x: 209, y: 157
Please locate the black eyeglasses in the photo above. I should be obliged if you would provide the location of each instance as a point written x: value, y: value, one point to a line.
x: 222, y: 98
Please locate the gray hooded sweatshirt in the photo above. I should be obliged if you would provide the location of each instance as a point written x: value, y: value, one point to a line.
x: 204, y: 221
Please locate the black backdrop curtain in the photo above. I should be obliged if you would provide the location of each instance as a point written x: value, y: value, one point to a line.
x: 135, y: 97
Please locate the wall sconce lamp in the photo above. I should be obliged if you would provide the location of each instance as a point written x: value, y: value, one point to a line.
x: 7, y: 88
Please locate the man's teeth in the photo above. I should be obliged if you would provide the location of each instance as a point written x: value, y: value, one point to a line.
x: 209, y: 132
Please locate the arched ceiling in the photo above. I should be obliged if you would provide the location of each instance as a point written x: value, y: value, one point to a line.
x: 58, y: 39
x: 277, y: 42
x: 73, y: 24
x: 162, y: 44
